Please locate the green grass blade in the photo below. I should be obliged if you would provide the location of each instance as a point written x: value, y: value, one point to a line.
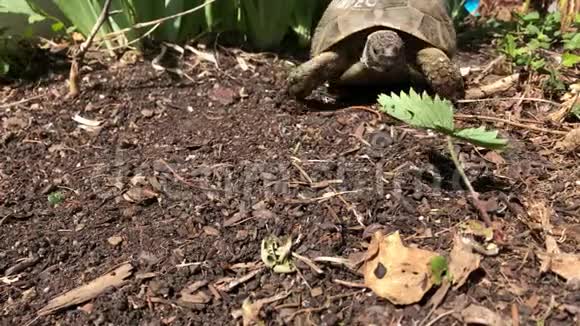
x: 305, y: 16
x: 223, y: 16
x: 21, y: 7
x: 267, y: 21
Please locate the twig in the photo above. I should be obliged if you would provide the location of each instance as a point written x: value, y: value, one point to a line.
x: 474, y: 195
x: 350, y: 284
x: 490, y: 66
x: 512, y: 123
x: 527, y: 99
x: 308, y: 262
x: 4, y: 219
x: 79, y: 56
x: 498, y: 86
x: 364, y: 108
x: 438, y: 318
x: 515, y: 315
x: 9, y: 105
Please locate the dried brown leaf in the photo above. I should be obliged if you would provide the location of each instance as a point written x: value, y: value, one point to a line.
x: 564, y: 264
x: 462, y: 261
x: 479, y: 315
x: 398, y: 273
x: 571, y: 142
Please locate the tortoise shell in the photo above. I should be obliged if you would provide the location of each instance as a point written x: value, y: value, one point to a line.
x: 425, y: 20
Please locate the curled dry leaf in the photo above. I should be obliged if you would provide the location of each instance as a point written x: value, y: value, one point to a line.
x: 398, y: 273
x: 462, y: 261
x: 476, y: 228
x: 479, y: 315
x: 139, y: 195
x: 87, y: 124
x: 276, y: 254
x: 564, y: 264
x: 571, y: 142
x: 192, y: 294
x: 541, y: 213
x: 250, y: 311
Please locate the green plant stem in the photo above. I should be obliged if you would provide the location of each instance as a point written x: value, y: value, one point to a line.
x: 474, y: 195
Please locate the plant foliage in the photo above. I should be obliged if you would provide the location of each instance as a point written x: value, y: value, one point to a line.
x: 534, y: 34
x: 435, y: 114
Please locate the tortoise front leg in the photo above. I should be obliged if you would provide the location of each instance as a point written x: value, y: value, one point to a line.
x: 314, y: 72
x: 441, y: 74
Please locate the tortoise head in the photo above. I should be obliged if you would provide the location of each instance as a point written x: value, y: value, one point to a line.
x: 383, y: 50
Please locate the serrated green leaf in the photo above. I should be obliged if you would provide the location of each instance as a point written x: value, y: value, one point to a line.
x: 481, y: 137
x: 419, y: 111
x: 436, y: 114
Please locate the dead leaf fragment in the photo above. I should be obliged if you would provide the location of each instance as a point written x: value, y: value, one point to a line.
x: 398, y: 273
x: 91, y: 290
x: 479, y: 315
x: 462, y: 261
x: 210, y: 230
x: 250, y: 311
x: 495, y: 158
x: 564, y: 264
x: 139, y: 195
x: 15, y: 123
x: 571, y: 142
x: 115, y: 240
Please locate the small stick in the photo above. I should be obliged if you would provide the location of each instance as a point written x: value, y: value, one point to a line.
x: 364, y: 108
x: 79, y: 56
x: 474, y: 195
x: 525, y: 99
x: 512, y: 123
x: 443, y: 315
x: 350, y: 284
x: 498, y: 86
x: 9, y: 105
x: 308, y: 262
x: 515, y: 315
x: 488, y: 69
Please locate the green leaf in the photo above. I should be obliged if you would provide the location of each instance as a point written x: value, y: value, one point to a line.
x: 480, y: 137
x: 22, y: 7
x: 573, y: 43
x: 419, y: 111
x: 576, y: 111
x: 267, y: 21
x: 4, y: 67
x: 55, y: 198
x: 570, y: 59
x: 532, y: 16
x: 436, y: 114
x: 57, y: 27
x: 439, y: 267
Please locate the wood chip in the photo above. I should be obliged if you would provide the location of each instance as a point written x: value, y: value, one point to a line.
x: 115, y: 240
x: 91, y: 290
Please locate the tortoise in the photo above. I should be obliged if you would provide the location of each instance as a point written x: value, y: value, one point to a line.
x: 365, y: 42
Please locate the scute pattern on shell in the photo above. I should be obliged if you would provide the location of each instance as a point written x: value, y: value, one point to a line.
x: 427, y: 20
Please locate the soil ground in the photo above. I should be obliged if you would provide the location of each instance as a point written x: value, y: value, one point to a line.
x: 184, y: 179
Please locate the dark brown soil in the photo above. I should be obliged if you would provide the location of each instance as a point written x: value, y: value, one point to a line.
x: 224, y: 156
